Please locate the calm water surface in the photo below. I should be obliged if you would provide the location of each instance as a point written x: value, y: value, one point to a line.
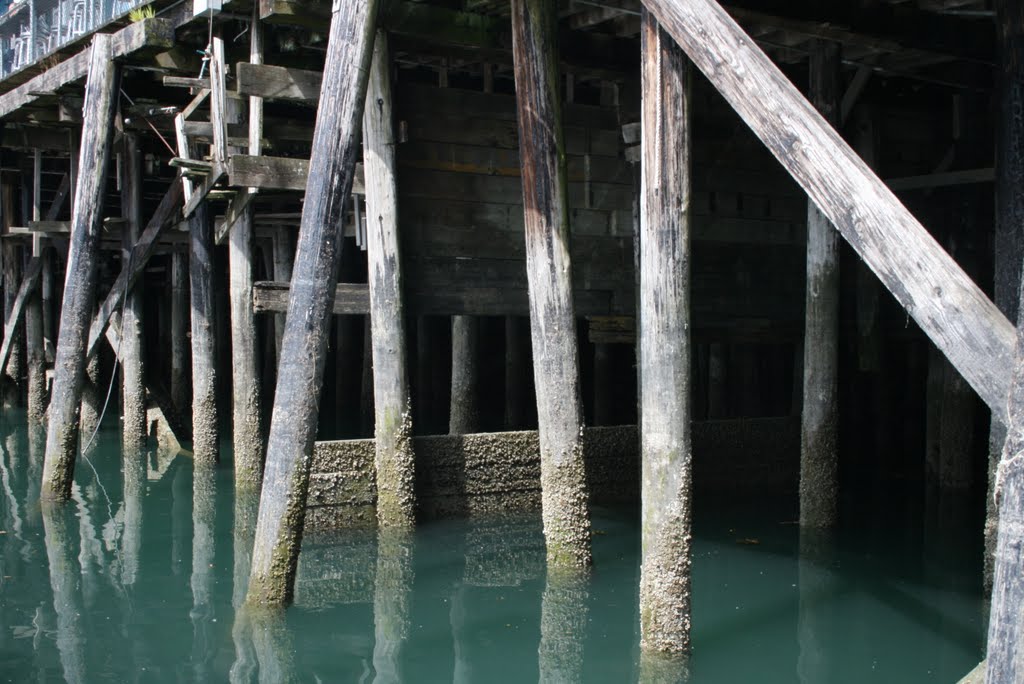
x: 136, y: 579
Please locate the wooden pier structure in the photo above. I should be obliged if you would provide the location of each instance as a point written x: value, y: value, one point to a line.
x: 418, y: 222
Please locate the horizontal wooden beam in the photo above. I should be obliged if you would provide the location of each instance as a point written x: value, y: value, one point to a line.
x: 276, y: 173
x: 354, y: 299
x: 949, y: 307
x: 278, y: 83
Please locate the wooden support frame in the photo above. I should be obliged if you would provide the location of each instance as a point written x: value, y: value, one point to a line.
x: 133, y: 423
x: 950, y: 308
x: 164, y: 217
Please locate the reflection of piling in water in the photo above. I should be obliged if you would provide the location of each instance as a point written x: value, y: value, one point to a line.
x: 563, y: 627
x: 504, y: 554
x: 657, y: 668
x: 203, y: 496
x: 391, y: 601
x: 179, y: 514
x: 247, y: 505
x: 91, y: 549
x: 268, y: 644
x: 67, y: 603
x: 817, y: 584
x: 36, y: 450
x: 134, y: 492
x: 337, y: 569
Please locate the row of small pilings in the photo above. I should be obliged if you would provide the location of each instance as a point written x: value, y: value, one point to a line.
x: 353, y: 67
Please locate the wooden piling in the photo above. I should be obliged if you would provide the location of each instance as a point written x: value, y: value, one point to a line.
x: 180, y: 307
x: 665, y: 440
x: 549, y: 273
x: 15, y: 370
x: 204, y: 363
x: 395, y: 466
x: 463, y: 411
x: 284, y: 260
x: 303, y: 349
x: 35, y: 351
x: 133, y: 436
x: 80, y: 283
x: 819, y: 419
x: 246, y: 395
x: 1009, y: 218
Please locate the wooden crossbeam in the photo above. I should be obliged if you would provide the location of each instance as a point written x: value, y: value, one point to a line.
x: 278, y: 83
x: 277, y: 173
x: 165, y: 215
x: 950, y: 308
x: 354, y: 299
x: 28, y: 284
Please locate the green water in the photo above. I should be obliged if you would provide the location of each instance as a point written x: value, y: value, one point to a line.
x: 141, y: 587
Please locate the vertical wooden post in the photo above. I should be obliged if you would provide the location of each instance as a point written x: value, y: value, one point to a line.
x: 89, y: 408
x: 34, y: 349
x: 1009, y: 216
x: 665, y: 439
x: 1006, y: 620
x: 303, y: 350
x: 46, y: 285
x: 515, y: 367
x: 15, y: 370
x: 819, y: 474
x: 604, y: 401
x: 246, y: 399
x: 134, y: 387
x: 284, y: 259
x: 395, y: 466
x: 463, y: 412
x: 80, y: 282
x: 566, y: 509
x: 204, y: 363
x: 179, y: 337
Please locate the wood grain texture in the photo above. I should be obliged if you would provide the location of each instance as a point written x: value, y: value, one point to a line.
x: 819, y: 425
x: 300, y: 370
x: 948, y: 306
x: 133, y: 426
x: 205, y: 430
x: 665, y: 440
x: 80, y: 280
x: 548, y: 265
x: 395, y: 465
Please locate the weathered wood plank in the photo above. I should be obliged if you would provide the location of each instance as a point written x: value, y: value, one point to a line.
x: 665, y: 382
x: 278, y: 83
x: 277, y: 173
x: 948, y: 306
x: 555, y: 356
x: 164, y: 217
x: 80, y: 284
x: 300, y: 371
